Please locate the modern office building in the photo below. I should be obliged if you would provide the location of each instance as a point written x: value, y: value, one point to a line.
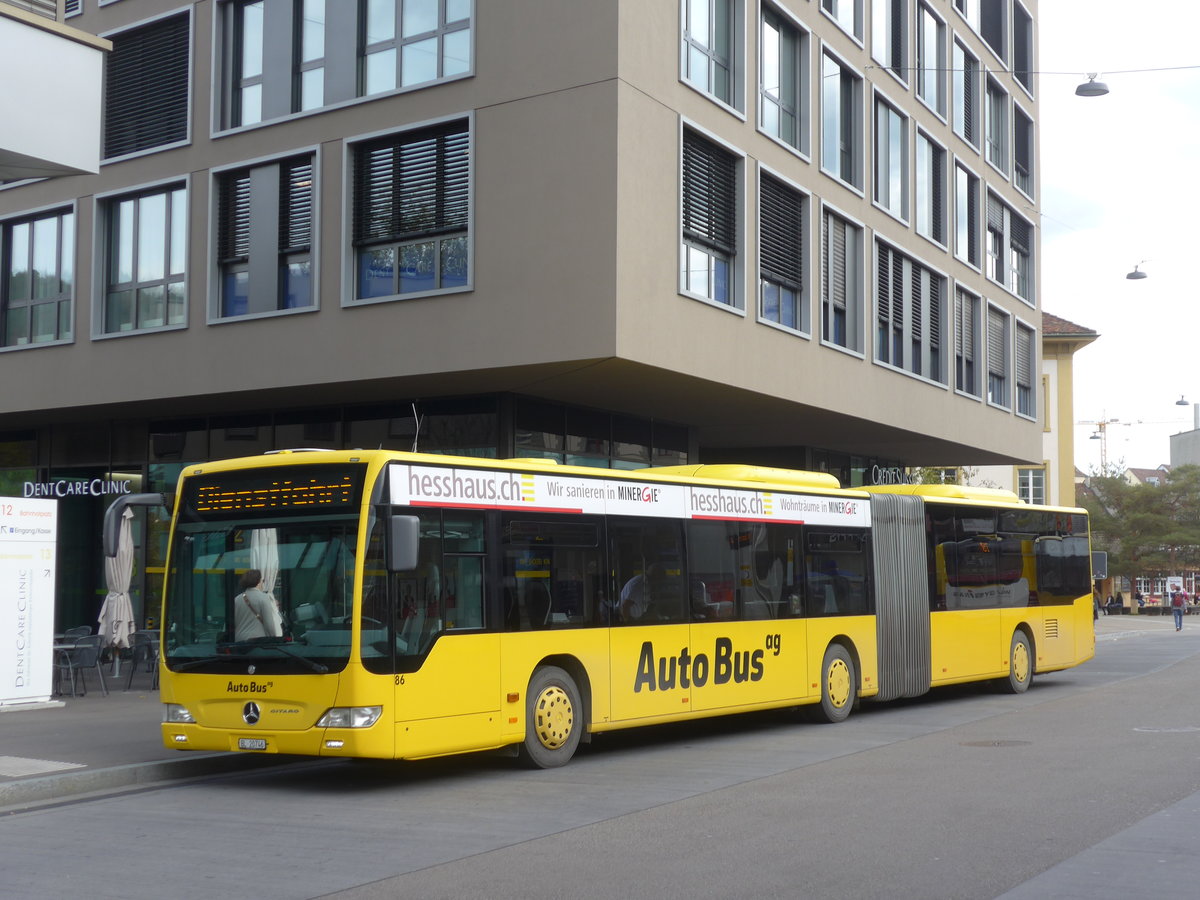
x: 613, y: 232
x: 1050, y: 480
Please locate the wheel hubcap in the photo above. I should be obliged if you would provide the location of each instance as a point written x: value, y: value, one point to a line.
x: 837, y: 681
x: 554, y: 717
x: 1020, y: 661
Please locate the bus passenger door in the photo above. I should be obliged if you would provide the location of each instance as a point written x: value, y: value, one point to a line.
x: 649, y: 640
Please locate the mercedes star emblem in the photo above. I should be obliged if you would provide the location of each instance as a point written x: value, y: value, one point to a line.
x: 250, y: 713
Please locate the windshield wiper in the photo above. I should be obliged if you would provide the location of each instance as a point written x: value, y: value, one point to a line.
x: 317, y: 667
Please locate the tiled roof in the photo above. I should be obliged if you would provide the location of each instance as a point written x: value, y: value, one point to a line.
x: 1054, y: 326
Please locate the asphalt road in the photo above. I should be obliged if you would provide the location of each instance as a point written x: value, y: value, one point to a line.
x: 1063, y: 791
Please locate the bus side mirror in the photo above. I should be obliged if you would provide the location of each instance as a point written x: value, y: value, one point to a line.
x: 406, y: 538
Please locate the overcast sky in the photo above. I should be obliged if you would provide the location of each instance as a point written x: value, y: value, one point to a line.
x: 1121, y: 184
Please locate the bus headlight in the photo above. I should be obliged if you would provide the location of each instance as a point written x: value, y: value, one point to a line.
x: 175, y: 714
x: 350, y: 717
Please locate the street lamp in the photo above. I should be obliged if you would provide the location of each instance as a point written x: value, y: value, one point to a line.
x: 1092, y: 87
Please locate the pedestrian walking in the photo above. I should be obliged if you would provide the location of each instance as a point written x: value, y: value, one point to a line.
x: 1178, y: 602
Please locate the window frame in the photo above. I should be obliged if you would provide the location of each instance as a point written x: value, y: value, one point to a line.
x: 1031, y: 484
x: 999, y: 356
x: 262, y: 245
x: 1025, y: 343
x: 802, y: 302
x: 104, y: 214
x: 1024, y: 177
x: 889, y: 37
x: 855, y: 290
x: 803, y: 42
x: 350, y: 268
x: 732, y: 254
x: 932, y: 206
x: 997, y: 126
x: 921, y: 70
x: 972, y: 255
x: 188, y: 15
x: 882, y: 162
x: 1023, y: 45
x: 848, y: 113
x: 398, y: 41
x: 909, y: 334
x: 64, y: 322
x: 965, y: 94
x: 839, y: 11
x: 968, y: 346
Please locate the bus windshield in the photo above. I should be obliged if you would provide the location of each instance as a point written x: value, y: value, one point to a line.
x: 216, y: 622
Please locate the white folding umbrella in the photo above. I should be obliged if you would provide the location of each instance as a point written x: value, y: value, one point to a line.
x: 116, y: 615
x: 264, y: 556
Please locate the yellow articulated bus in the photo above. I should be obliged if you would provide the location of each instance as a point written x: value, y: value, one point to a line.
x: 395, y: 605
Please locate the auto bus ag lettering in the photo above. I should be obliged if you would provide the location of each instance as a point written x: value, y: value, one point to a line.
x: 664, y: 673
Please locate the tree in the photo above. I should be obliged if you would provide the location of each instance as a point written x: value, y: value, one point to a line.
x: 1148, y: 530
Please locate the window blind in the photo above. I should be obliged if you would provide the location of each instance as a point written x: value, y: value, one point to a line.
x: 709, y: 194
x: 412, y: 185
x: 781, y: 238
x: 146, y: 87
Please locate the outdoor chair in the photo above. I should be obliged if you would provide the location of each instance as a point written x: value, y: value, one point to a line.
x: 85, y: 655
x: 144, y: 649
x: 78, y: 631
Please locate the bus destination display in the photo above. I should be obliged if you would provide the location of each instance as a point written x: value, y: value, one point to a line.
x: 294, y: 489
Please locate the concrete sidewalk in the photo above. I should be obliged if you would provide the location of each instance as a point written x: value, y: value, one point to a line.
x: 95, y: 743
x: 73, y: 746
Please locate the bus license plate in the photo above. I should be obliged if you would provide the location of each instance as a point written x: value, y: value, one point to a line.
x: 252, y: 743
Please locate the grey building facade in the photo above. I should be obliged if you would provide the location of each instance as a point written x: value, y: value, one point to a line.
x: 617, y: 233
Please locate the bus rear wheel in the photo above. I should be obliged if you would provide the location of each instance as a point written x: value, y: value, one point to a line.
x: 1020, y: 665
x: 553, y: 719
x: 837, y: 684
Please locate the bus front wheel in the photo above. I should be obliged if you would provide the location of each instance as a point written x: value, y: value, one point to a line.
x: 1020, y: 665
x: 553, y: 719
x: 837, y: 684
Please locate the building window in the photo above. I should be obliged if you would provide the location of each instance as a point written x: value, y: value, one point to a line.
x: 1009, y: 249
x: 889, y: 35
x: 931, y: 190
x: 264, y: 237
x: 1024, y: 369
x: 37, y: 277
x: 993, y: 25
x: 966, y: 216
x: 781, y: 219
x: 841, y: 282
x: 997, y: 356
x: 709, y: 47
x: 996, y: 139
x: 410, y: 42
x: 1031, y: 485
x: 841, y: 122
x: 412, y: 212
x: 308, y: 87
x: 146, y: 87
x: 1023, y: 151
x: 1023, y: 48
x: 248, y: 22
x: 966, y: 95
x: 909, y: 313
x: 931, y: 60
x: 969, y: 10
x: 891, y: 160
x: 847, y: 13
x: 966, y: 340
x: 146, y: 260
x: 783, y: 90
x: 709, y: 220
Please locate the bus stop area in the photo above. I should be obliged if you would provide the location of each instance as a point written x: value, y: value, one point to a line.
x: 73, y: 746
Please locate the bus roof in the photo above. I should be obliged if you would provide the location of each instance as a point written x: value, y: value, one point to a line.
x: 788, y: 478
x: 948, y: 492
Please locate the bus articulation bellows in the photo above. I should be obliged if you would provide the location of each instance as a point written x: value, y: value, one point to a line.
x: 435, y: 605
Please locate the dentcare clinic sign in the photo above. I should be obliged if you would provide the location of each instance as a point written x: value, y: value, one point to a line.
x: 28, y: 530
